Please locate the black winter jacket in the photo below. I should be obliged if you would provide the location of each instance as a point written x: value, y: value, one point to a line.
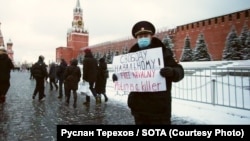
x: 100, y: 85
x: 5, y: 66
x: 39, y: 70
x: 72, y: 77
x: 90, y: 69
x: 60, y: 71
x: 52, y: 71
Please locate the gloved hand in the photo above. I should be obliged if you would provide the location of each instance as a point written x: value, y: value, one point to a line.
x: 167, y: 72
x: 114, y: 77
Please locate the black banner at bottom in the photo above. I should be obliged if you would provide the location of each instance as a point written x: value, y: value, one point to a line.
x: 169, y: 132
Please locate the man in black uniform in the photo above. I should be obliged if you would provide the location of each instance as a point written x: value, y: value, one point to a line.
x: 153, y: 107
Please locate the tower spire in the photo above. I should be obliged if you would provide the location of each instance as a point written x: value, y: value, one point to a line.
x: 78, y: 9
x: 78, y: 4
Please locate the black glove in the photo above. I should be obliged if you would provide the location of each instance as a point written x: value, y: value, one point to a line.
x: 114, y: 77
x: 167, y: 72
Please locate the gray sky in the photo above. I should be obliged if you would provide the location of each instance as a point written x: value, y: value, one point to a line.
x: 40, y: 26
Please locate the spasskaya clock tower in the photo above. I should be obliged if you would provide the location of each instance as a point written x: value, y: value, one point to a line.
x: 77, y: 37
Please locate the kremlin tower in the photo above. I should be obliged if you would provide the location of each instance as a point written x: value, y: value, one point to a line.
x: 77, y: 37
x: 9, y: 46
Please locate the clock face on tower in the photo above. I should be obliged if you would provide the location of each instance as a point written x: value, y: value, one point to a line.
x: 79, y: 23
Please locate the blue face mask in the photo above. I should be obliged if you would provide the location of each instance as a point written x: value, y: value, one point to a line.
x: 143, y: 42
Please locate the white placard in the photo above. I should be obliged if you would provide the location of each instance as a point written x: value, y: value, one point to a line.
x: 139, y: 71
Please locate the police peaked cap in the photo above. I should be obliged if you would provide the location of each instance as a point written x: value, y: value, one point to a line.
x: 143, y: 27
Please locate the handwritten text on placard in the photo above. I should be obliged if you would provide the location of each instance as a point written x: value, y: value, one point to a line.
x: 139, y: 71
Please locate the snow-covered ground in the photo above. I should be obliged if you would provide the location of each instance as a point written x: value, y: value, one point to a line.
x: 207, y: 113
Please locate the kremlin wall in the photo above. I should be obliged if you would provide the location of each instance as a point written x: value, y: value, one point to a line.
x: 214, y: 29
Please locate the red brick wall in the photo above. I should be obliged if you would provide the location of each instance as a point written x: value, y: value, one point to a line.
x: 214, y: 29
x: 64, y: 52
x: 215, y: 33
x: 77, y: 41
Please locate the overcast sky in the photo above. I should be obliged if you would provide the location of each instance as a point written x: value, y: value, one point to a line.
x: 40, y: 26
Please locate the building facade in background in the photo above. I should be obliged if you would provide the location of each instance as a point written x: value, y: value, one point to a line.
x: 9, y: 46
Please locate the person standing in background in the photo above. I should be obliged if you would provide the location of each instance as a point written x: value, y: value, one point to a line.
x: 89, y: 72
x: 52, y: 76
x: 72, y: 77
x: 6, y: 66
x: 40, y: 73
x: 60, y: 74
x: 102, y: 76
x: 31, y: 76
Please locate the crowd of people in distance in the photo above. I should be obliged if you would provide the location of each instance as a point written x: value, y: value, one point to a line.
x: 63, y: 77
x: 66, y: 78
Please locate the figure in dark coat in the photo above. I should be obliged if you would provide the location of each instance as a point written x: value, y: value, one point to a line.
x: 52, y: 76
x: 89, y: 72
x: 60, y: 74
x: 40, y: 73
x: 6, y: 66
x: 72, y: 77
x: 31, y: 76
x: 102, y: 76
x: 153, y: 107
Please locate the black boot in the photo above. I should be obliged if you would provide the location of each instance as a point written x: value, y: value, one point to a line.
x: 87, y: 100
x: 67, y: 99
x: 51, y: 86
x: 60, y: 96
x: 2, y: 99
x: 60, y: 91
x: 56, y: 87
x: 106, y: 98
